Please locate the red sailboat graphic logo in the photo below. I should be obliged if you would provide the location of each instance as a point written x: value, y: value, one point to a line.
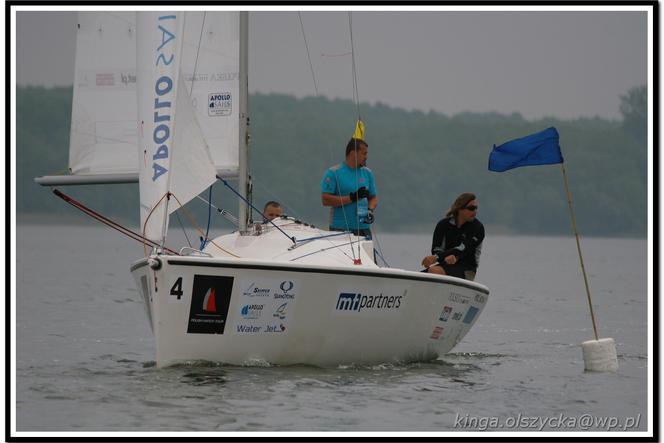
x: 210, y: 302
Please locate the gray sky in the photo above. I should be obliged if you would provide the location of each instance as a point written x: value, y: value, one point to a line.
x: 562, y: 64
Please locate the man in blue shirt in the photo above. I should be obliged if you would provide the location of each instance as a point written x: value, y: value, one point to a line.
x: 350, y: 191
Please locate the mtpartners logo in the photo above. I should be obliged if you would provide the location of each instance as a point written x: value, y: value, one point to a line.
x: 354, y: 301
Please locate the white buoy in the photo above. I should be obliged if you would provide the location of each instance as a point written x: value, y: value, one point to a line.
x: 600, y: 355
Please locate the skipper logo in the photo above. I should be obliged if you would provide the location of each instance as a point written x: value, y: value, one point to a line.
x: 220, y: 104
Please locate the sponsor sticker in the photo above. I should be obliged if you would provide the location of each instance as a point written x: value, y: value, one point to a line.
x: 458, y: 298
x: 470, y: 315
x: 447, y: 310
x: 285, y: 290
x: 254, y: 290
x: 220, y: 104
x: 121, y: 80
x: 264, y: 305
x: 355, y: 302
x: 437, y: 331
x: 251, y: 311
x: 280, y: 312
x: 211, y: 297
x: 105, y: 79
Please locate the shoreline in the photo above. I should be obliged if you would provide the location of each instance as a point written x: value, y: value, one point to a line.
x: 45, y: 219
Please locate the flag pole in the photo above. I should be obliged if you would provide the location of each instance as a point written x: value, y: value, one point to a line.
x: 578, y: 247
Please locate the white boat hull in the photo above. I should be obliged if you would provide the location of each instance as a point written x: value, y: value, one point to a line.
x: 287, y: 313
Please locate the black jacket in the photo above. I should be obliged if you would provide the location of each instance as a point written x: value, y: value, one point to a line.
x: 465, y: 242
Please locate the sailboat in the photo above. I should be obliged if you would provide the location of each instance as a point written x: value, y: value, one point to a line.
x: 171, y: 111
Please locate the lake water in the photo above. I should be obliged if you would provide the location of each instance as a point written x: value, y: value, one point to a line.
x: 85, y: 352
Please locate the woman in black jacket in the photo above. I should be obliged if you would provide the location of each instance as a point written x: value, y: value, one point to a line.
x: 457, y: 240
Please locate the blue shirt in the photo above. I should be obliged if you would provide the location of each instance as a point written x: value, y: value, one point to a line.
x: 341, y: 179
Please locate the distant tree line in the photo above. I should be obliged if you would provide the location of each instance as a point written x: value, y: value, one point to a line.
x: 421, y: 160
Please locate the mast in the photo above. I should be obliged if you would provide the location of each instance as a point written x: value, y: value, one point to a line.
x: 243, y: 172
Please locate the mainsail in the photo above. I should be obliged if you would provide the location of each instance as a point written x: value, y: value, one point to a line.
x: 104, y: 135
x: 103, y: 125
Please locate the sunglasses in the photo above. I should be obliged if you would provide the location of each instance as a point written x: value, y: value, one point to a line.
x: 471, y: 208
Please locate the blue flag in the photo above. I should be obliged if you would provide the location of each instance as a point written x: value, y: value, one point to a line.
x: 541, y: 148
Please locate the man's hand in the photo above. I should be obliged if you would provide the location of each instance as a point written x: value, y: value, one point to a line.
x: 359, y: 194
x: 429, y: 260
x: 450, y: 259
x: 370, y: 216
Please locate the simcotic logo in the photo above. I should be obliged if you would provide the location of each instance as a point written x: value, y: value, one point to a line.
x: 351, y: 301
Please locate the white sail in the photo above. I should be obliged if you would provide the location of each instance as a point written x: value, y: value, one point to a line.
x: 158, y: 55
x: 104, y: 135
x: 192, y: 170
x: 103, y: 127
x: 211, y: 64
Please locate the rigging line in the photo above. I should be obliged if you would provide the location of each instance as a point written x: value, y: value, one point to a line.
x: 306, y: 45
x: 356, y: 92
x: 254, y: 207
x: 380, y: 248
x: 184, y: 231
x: 274, y: 197
x: 107, y: 221
x: 116, y: 16
x: 320, y: 237
x: 200, y: 231
x: 166, y: 195
x: 107, y: 139
x: 323, y: 250
x: 295, y: 214
x: 356, y: 97
x: 343, y: 211
x: 207, y: 231
x: 230, y: 217
x: 357, y: 202
x: 198, y: 50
